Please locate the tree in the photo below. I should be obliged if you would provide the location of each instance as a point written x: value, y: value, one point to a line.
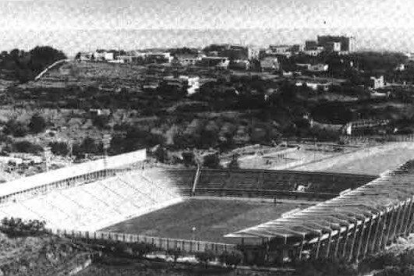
x: 17, y: 129
x: 37, y: 124
x: 188, y: 158
x: 88, y: 145
x: 205, y: 257
x: 59, y: 148
x: 142, y: 249
x: 233, y: 258
x: 43, y: 56
x: 175, y: 253
x: 234, y: 163
x: 211, y: 161
x: 101, y: 121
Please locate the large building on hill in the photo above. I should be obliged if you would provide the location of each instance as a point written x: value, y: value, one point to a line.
x: 337, y: 43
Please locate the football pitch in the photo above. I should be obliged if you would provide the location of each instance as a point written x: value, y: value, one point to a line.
x: 212, y: 219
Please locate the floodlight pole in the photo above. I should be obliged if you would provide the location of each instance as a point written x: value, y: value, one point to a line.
x: 193, y: 232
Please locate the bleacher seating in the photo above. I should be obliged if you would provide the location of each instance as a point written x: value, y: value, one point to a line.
x: 95, y: 205
x: 183, y: 179
x: 286, y: 181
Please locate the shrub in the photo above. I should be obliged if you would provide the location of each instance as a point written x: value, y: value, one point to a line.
x: 101, y: 121
x: 325, y: 267
x: 205, y: 257
x: 234, y: 258
x: 37, y: 124
x: 89, y: 146
x: 59, y: 148
x: 141, y: 249
x: 188, y: 158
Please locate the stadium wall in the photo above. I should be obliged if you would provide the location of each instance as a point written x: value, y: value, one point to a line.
x: 69, y: 176
x: 377, y: 138
x: 189, y: 246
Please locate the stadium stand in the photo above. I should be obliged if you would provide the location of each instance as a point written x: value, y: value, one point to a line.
x: 317, y: 185
x: 95, y: 205
x: 284, y: 183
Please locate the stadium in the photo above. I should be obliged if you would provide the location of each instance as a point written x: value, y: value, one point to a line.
x: 271, y: 216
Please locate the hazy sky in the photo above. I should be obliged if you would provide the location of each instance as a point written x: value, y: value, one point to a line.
x: 204, y: 14
x: 74, y: 25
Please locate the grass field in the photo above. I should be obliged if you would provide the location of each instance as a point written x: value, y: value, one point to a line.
x: 212, y: 218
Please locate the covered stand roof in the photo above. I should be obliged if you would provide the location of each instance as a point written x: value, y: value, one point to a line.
x: 344, y: 212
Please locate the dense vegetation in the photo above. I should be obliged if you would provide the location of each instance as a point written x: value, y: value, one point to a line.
x: 24, y: 66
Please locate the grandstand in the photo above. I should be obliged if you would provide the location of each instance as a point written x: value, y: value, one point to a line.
x: 95, y: 205
x: 289, y: 184
x: 351, y: 225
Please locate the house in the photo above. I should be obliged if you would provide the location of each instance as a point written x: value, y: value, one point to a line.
x: 279, y: 49
x: 333, y: 46
x: 158, y: 57
x: 240, y: 64
x: 193, y: 83
x: 318, y: 68
x: 365, y: 126
x: 125, y: 58
x: 103, y: 56
x: 187, y: 59
x: 269, y: 64
x: 314, y: 85
x: 219, y: 62
x: 85, y: 56
x: 313, y: 53
x: 376, y: 83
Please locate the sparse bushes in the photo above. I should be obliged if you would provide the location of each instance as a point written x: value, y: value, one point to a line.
x: 17, y: 129
x: 27, y: 147
x: 390, y: 263
x: 325, y: 267
x: 17, y: 227
x: 141, y: 249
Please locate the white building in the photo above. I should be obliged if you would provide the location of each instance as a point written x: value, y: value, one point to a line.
x: 220, y: 62
x: 188, y: 59
x: 279, y: 49
x: 313, y: 53
x: 269, y: 64
x: 376, y: 83
x: 103, y: 56
x: 319, y: 68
